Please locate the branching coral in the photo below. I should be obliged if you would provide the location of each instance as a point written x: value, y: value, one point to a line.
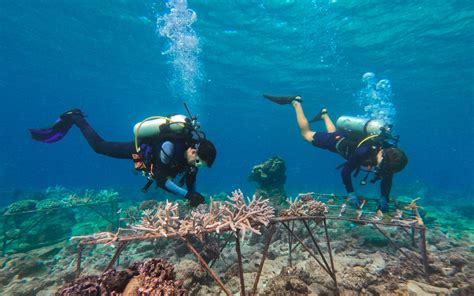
x: 304, y: 205
x: 100, y: 237
x: 163, y: 219
x: 236, y: 214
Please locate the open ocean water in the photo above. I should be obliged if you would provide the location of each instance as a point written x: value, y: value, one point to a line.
x: 108, y: 59
x: 122, y: 61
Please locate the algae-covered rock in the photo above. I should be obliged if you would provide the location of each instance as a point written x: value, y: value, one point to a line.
x: 22, y: 206
x: 356, y: 278
x: 49, y: 203
x: 370, y: 237
x: 270, y: 177
x: 417, y: 288
x: 148, y: 204
x: 287, y: 283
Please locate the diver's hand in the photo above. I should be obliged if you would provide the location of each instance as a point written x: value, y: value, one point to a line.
x: 194, y: 198
x: 353, y: 200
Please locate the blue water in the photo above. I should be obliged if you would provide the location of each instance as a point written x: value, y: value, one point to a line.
x: 107, y: 58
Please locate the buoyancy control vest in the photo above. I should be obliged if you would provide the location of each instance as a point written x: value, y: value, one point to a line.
x: 359, y: 131
x: 151, y: 133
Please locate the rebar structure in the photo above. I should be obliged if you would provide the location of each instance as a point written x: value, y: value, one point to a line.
x: 40, y: 215
x: 325, y: 261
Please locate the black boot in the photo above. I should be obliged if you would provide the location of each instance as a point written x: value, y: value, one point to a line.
x: 72, y: 115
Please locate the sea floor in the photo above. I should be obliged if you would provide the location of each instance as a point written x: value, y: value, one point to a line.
x: 366, y: 262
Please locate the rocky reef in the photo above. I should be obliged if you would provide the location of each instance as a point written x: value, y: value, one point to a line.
x: 152, y: 277
x: 365, y: 262
x: 270, y: 178
x: 33, y: 223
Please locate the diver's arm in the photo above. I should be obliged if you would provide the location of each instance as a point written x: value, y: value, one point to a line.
x: 175, y: 189
x: 163, y: 180
x: 346, y: 177
x: 167, y: 183
x: 191, y: 175
x: 386, y: 186
x: 353, y: 163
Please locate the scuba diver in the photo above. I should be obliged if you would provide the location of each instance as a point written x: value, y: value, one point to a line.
x: 164, y: 147
x: 362, y: 142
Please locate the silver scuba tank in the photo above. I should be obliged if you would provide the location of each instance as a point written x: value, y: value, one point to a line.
x: 151, y: 126
x: 361, y: 126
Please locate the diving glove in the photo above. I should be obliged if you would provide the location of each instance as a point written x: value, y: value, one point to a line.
x: 194, y: 198
x: 354, y: 200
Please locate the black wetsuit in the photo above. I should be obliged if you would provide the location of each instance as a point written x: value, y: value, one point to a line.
x: 339, y: 143
x: 167, y: 157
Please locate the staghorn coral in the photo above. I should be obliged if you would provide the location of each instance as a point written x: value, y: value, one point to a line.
x: 100, y: 237
x: 304, y: 205
x: 163, y: 219
x: 235, y: 214
x: 202, y: 219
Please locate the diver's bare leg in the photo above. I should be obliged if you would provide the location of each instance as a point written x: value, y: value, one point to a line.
x: 330, y: 128
x: 303, y: 123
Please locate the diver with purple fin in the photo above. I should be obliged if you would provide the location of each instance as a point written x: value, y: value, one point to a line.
x: 363, y: 143
x: 164, y: 147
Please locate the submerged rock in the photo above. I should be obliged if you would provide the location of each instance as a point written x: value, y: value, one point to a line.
x: 150, y: 277
x: 417, y: 288
x: 270, y: 178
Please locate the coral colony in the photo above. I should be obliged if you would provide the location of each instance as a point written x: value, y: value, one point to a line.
x: 312, y: 243
x: 236, y: 215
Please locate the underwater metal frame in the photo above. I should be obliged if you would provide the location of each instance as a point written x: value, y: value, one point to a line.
x: 110, y: 216
x: 272, y: 227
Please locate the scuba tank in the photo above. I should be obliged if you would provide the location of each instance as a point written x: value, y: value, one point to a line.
x: 361, y: 126
x: 153, y: 126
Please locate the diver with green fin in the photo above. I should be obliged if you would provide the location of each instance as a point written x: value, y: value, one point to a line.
x: 164, y: 147
x: 364, y: 143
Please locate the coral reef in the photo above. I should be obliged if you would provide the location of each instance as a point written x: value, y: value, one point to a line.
x: 157, y: 277
x: 270, y: 178
x: 236, y: 214
x: 365, y: 262
x: 21, y: 206
x: 304, y: 205
x: 49, y: 203
x: 148, y: 204
x: 151, y: 277
x: 288, y: 282
x: 35, y: 223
